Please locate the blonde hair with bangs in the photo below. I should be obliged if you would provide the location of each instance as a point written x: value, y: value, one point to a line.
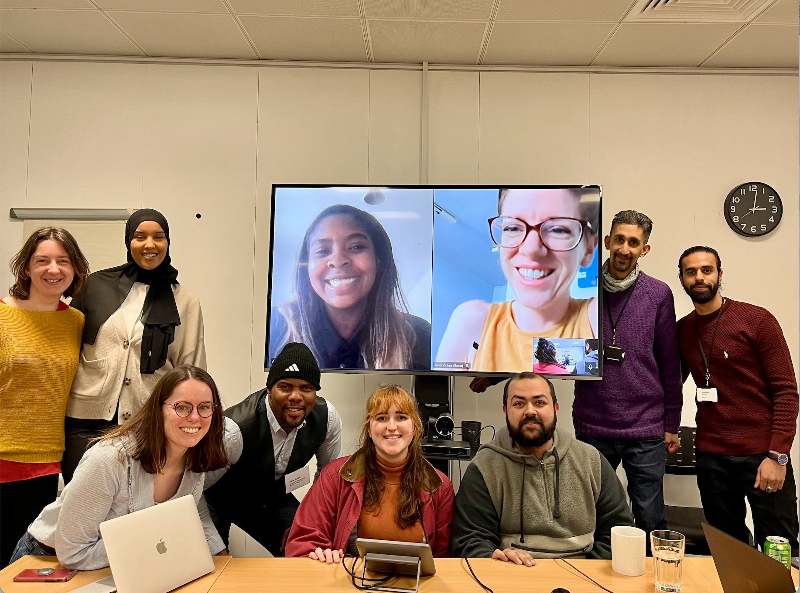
x: 409, y: 503
x: 384, y: 398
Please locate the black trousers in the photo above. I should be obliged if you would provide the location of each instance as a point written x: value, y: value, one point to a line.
x: 78, y: 435
x: 726, y: 480
x: 20, y: 503
x: 266, y: 525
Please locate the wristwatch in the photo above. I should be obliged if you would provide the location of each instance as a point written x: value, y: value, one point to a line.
x: 781, y: 458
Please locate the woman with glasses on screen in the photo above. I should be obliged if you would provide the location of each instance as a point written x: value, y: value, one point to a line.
x: 160, y: 455
x: 385, y: 490
x: 140, y: 323
x: 40, y: 340
x: 543, y: 236
x: 348, y: 307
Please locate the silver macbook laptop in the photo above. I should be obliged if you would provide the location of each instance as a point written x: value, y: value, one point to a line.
x: 154, y: 550
x: 743, y: 569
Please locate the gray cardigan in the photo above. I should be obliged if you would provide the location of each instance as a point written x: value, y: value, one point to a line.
x: 108, y: 483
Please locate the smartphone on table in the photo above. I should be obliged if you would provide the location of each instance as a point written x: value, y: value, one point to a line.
x: 45, y: 575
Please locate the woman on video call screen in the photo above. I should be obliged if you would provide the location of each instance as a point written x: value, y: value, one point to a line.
x: 543, y: 237
x: 347, y: 304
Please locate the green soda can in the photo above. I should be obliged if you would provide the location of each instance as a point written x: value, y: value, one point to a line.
x: 778, y: 548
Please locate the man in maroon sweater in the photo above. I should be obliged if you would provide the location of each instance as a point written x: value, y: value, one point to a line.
x: 747, y: 404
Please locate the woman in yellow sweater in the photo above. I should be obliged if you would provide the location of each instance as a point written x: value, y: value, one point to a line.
x: 40, y: 340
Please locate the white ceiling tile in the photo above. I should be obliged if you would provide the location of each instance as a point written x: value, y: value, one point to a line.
x: 438, y: 42
x: 54, y: 4
x: 9, y: 46
x: 83, y: 32
x: 208, y: 6
x: 664, y: 44
x: 545, y: 44
x: 760, y: 46
x: 453, y: 10
x: 333, y: 8
x: 784, y: 12
x: 315, y: 39
x: 185, y: 34
x: 562, y: 10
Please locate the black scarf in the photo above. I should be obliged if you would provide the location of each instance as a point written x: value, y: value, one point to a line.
x: 106, y: 290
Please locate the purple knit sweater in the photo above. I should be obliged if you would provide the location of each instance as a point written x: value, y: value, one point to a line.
x: 639, y: 398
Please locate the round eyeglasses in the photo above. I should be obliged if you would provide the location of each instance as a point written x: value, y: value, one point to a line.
x: 557, y: 234
x: 184, y: 409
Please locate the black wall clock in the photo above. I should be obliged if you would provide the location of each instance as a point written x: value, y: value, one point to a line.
x: 753, y: 209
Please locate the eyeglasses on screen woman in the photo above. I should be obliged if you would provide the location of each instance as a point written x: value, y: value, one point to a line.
x: 557, y: 234
x: 184, y: 409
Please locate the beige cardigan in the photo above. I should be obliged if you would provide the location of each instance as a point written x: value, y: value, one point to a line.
x: 109, y: 369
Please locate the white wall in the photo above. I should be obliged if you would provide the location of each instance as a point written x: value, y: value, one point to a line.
x: 189, y: 139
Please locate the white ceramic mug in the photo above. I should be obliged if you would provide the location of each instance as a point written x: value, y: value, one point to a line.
x: 628, y: 546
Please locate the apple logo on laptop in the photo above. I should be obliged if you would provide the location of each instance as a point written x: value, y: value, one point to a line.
x: 161, y: 547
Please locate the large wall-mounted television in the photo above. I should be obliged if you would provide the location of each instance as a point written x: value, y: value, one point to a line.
x: 438, y: 279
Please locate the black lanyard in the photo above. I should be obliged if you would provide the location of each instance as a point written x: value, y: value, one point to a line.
x: 707, y: 361
x: 614, y: 324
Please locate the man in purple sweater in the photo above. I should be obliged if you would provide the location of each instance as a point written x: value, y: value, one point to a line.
x: 632, y: 415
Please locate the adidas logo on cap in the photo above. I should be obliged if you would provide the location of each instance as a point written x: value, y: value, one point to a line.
x: 292, y: 368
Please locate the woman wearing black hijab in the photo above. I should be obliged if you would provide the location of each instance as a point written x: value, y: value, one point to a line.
x: 140, y: 323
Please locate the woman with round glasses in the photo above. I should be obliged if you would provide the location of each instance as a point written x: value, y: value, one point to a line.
x: 385, y: 490
x: 348, y: 306
x: 160, y: 455
x: 544, y: 236
x: 140, y: 323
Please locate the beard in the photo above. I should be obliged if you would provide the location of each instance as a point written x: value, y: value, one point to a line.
x: 623, y: 265
x: 519, y: 437
x: 702, y: 297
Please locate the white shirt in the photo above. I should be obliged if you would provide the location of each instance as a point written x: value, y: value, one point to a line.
x: 132, y: 307
x: 283, y: 443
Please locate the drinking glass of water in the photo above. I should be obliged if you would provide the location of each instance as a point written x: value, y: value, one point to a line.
x: 668, y: 547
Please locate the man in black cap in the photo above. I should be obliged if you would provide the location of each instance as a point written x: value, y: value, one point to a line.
x: 282, y: 428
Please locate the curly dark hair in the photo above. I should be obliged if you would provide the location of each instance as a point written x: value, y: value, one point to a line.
x: 546, y: 351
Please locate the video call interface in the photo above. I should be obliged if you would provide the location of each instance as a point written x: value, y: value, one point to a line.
x: 451, y: 279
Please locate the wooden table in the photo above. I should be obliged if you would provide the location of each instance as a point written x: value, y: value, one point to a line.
x: 7, y: 584
x: 302, y: 575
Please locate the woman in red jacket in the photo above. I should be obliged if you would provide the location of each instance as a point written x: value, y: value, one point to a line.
x: 385, y: 490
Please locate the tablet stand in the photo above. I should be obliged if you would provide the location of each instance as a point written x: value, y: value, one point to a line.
x: 391, y: 563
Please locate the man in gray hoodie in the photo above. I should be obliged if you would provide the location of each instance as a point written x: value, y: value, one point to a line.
x: 534, y: 491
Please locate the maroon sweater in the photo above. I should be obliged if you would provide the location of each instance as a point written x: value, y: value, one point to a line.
x: 753, y: 373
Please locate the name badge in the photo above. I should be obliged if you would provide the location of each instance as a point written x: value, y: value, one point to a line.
x: 707, y: 394
x: 614, y: 353
x: 298, y: 479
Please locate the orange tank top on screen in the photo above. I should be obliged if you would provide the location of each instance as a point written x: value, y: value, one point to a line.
x: 506, y: 348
